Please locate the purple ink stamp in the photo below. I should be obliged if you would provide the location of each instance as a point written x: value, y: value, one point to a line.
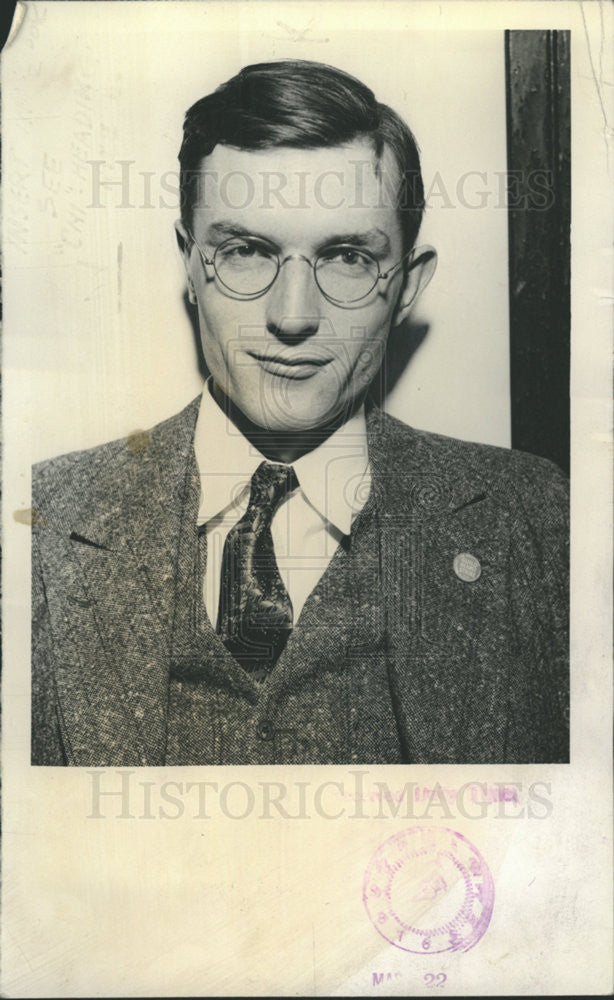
x: 429, y: 890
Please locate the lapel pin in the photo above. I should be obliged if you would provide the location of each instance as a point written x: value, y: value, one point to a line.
x: 467, y: 567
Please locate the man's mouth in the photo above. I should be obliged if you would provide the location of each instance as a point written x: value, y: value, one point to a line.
x: 298, y: 366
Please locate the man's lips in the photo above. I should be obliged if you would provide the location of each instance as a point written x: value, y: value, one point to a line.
x: 299, y: 366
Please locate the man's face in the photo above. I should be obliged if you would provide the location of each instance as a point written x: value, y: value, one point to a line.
x: 290, y: 359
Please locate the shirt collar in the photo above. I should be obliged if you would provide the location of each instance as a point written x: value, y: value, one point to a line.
x: 334, y: 477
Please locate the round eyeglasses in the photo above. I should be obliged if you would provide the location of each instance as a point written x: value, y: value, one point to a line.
x: 248, y: 266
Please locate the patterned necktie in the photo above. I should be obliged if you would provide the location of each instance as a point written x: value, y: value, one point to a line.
x: 255, y: 611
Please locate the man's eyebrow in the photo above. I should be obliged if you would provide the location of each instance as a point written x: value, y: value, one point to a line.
x: 371, y: 239
x: 229, y: 229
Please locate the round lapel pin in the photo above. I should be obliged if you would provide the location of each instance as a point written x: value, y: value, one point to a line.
x: 467, y: 567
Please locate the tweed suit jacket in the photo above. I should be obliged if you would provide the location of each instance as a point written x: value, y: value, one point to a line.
x: 477, y: 668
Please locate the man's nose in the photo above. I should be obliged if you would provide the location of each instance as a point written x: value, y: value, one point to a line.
x: 294, y: 301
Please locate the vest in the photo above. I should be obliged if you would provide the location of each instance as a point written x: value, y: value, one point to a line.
x: 326, y: 701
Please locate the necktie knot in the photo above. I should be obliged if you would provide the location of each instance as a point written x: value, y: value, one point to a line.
x: 270, y: 484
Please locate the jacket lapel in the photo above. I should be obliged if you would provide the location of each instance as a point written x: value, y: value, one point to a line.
x: 109, y: 578
x: 427, y: 515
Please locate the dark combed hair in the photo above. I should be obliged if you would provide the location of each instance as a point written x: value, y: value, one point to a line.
x: 303, y: 105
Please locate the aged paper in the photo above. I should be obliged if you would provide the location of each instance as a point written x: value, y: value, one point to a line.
x: 179, y: 881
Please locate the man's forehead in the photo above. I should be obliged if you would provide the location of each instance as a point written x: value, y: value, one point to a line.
x: 345, y: 180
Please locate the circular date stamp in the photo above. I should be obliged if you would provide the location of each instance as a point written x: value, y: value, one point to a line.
x: 429, y: 890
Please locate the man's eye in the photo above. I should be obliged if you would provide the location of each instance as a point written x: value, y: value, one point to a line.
x: 347, y: 257
x: 243, y: 250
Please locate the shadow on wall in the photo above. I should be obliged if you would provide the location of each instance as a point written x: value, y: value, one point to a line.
x: 403, y: 343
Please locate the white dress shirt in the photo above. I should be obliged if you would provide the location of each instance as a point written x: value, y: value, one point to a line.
x: 334, y: 483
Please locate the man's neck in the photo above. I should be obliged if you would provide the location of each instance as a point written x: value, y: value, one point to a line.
x: 278, y: 445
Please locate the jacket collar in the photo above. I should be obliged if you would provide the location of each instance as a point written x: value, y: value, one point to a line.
x: 135, y: 486
x: 413, y: 474
x: 146, y: 476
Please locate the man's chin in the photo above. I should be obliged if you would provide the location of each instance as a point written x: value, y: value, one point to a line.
x: 284, y: 415
x: 296, y: 423
x: 289, y: 412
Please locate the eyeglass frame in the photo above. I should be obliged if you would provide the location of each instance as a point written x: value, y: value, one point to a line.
x: 248, y: 296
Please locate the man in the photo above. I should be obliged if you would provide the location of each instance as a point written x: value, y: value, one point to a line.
x: 282, y: 573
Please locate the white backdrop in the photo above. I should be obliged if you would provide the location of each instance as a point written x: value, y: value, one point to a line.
x: 98, y: 332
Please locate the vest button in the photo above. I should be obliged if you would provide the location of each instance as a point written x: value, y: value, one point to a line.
x: 266, y: 730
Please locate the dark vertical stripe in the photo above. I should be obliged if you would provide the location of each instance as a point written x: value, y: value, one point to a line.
x: 538, y: 160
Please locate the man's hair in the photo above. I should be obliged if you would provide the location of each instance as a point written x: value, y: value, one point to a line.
x: 303, y: 105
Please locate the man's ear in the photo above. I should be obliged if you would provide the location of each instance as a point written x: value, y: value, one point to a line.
x: 419, y: 271
x: 185, y: 244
